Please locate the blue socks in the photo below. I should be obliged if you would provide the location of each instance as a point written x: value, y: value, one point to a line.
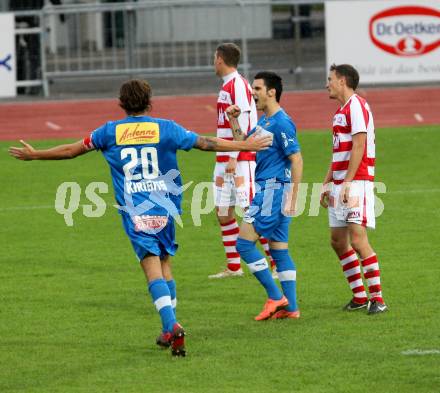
x: 162, y: 300
x: 258, y: 266
x: 172, y: 287
x: 287, y: 274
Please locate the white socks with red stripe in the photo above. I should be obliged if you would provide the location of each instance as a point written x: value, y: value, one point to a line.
x: 370, y: 266
x: 351, y: 268
x: 230, y: 232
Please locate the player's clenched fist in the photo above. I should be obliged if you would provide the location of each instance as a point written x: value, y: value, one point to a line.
x: 233, y: 111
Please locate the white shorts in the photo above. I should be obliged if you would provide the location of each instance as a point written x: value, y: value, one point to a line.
x: 358, y: 210
x: 237, y: 189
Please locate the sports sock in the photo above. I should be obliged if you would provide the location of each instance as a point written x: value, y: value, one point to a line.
x: 287, y: 275
x: 265, y: 244
x: 372, y: 275
x: 242, y: 196
x: 162, y: 300
x: 352, y: 271
x: 230, y: 232
x: 172, y: 287
x: 258, y: 266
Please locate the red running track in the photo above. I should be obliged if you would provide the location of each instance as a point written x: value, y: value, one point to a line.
x: 310, y: 111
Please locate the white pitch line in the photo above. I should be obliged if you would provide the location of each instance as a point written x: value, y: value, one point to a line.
x: 11, y: 208
x: 15, y: 208
x: 418, y: 117
x: 421, y: 352
x: 210, y: 108
x: 187, y: 185
x: 53, y: 126
x: 419, y: 191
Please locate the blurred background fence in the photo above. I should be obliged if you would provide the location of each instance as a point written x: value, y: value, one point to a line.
x: 88, y: 47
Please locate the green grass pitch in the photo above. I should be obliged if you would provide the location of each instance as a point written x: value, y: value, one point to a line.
x: 75, y: 315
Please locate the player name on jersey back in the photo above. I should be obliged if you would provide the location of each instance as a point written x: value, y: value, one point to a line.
x: 145, y: 186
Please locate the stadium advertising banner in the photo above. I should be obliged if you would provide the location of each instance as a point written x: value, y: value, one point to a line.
x: 7, y: 56
x: 387, y: 41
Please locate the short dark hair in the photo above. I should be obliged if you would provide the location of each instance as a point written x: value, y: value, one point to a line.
x: 272, y: 81
x: 230, y: 53
x: 135, y: 96
x: 348, y: 72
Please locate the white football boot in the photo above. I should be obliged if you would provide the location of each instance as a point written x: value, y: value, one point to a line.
x: 227, y: 273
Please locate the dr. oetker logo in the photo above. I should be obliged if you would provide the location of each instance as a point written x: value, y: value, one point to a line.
x: 406, y: 31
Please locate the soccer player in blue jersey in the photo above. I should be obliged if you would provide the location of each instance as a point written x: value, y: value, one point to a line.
x: 277, y: 175
x: 141, y: 152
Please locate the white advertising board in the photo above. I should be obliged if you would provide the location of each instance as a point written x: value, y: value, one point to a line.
x: 386, y: 41
x: 7, y: 56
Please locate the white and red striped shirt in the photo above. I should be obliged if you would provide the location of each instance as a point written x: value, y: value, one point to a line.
x: 236, y: 90
x: 354, y: 117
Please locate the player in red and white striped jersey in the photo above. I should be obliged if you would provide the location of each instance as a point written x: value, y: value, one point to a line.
x: 349, y: 189
x: 234, y: 172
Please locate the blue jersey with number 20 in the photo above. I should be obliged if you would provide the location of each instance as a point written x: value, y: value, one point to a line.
x: 141, y: 152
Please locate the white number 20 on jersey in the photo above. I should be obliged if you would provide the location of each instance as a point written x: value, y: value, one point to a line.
x: 148, y: 161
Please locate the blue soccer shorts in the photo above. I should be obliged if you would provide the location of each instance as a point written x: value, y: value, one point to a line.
x: 265, y: 214
x: 151, y: 235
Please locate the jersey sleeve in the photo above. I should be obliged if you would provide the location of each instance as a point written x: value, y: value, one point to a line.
x: 97, y: 139
x: 287, y: 140
x: 242, y: 96
x: 182, y: 138
x: 244, y: 121
x: 359, y: 117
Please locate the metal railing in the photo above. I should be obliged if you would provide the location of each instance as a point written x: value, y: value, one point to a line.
x: 29, y: 47
x: 170, y: 38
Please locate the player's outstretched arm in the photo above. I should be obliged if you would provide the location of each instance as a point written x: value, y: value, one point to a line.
x: 61, y: 152
x: 252, y: 143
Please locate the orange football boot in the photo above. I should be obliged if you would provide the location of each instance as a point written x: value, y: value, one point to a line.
x: 271, y: 307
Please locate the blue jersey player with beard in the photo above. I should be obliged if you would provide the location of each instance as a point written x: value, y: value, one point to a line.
x: 141, y: 152
x: 277, y: 175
